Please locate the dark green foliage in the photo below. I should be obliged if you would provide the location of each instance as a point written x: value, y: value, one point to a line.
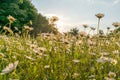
x: 74, y: 31
x: 41, y: 25
x: 22, y: 12
x: 118, y: 29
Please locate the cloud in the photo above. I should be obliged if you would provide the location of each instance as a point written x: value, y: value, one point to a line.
x: 116, y: 1
x: 104, y: 1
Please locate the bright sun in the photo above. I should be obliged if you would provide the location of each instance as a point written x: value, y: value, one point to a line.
x: 59, y: 23
x: 60, y: 19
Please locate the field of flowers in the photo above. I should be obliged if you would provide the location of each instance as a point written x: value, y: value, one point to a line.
x: 59, y: 57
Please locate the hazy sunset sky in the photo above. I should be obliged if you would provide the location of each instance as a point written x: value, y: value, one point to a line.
x: 74, y: 13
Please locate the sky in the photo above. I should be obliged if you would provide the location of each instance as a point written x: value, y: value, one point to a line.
x: 75, y: 13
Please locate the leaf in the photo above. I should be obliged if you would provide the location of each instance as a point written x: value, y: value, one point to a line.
x: 21, y: 1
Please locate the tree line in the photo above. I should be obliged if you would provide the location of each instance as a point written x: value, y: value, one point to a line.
x: 24, y: 12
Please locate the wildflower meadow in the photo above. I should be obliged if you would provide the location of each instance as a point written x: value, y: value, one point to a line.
x: 59, y: 56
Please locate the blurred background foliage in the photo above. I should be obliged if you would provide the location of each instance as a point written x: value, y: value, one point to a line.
x: 24, y: 12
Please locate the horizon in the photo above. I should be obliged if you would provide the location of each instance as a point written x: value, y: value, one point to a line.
x: 75, y: 13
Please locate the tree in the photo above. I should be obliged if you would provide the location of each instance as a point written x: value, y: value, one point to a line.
x: 74, y: 31
x: 23, y: 12
x: 42, y: 25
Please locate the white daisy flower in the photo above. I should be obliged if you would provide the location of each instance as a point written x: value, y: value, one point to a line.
x: 112, y: 75
x: 75, y: 75
x: 76, y: 61
x: 115, y: 52
x: 9, y: 68
x: 47, y: 66
x: 28, y: 57
x: 1, y: 54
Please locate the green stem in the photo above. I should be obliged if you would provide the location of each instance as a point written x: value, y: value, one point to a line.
x: 98, y: 33
x: 89, y: 31
x: 107, y: 32
x: 98, y: 26
x: 84, y: 29
x: 10, y: 25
